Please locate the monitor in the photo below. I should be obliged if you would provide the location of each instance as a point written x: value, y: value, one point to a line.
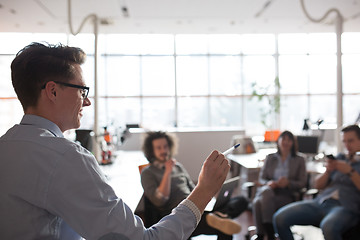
x: 308, y: 144
x: 84, y: 137
x: 132, y: 125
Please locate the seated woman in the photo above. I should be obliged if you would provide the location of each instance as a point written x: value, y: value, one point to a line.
x: 282, y: 175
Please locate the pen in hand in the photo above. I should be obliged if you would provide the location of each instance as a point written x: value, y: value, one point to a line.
x: 231, y: 149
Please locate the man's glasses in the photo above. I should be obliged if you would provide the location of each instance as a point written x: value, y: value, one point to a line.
x: 84, y: 90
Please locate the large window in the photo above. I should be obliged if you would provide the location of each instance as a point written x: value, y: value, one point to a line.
x: 162, y: 81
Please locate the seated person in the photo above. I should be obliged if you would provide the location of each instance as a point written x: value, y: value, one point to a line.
x: 282, y: 175
x: 335, y: 209
x: 166, y: 183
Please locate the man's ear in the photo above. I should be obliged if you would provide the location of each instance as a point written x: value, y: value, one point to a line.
x: 50, y: 90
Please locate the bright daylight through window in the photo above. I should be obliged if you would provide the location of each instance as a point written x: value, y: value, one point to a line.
x: 203, y: 80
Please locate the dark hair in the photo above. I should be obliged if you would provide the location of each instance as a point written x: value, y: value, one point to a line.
x: 37, y: 64
x: 148, y: 148
x: 354, y: 128
x: 292, y: 137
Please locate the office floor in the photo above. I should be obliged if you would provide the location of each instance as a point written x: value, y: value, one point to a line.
x: 246, y: 220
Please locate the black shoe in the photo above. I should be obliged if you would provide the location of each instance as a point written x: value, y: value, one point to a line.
x: 269, y: 229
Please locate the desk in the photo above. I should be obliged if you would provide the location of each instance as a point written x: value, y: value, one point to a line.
x: 251, y: 160
x: 314, y: 167
x: 256, y: 161
x: 124, y: 177
x: 250, y: 165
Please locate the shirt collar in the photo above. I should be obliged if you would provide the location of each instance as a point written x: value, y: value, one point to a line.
x: 159, y: 164
x: 41, y: 122
x: 354, y: 158
x: 279, y: 157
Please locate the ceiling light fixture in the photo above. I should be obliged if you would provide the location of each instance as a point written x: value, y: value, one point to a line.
x: 95, y: 19
x: 262, y: 10
x: 339, y: 22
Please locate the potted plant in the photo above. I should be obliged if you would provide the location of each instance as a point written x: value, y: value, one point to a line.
x: 269, y: 113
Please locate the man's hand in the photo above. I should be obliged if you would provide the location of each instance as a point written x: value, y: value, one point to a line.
x: 330, y: 165
x: 214, y: 172
x: 342, y: 166
x: 321, y: 181
x: 212, y: 175
x: 169, y: 164
x: 283, y: 182
x: 272, y: 184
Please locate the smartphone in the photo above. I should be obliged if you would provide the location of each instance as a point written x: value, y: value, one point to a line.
x: 330, y: 156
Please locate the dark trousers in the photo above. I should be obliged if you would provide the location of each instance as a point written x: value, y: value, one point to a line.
x: 234, y: 207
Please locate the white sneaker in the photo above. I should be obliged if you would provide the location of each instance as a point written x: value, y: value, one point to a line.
x: 225, y: 225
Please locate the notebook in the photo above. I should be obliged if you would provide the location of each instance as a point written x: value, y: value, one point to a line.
x: 224, y: 194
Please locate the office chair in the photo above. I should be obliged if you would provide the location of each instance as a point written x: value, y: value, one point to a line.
x: 305, y: 192
x: 151, y: 214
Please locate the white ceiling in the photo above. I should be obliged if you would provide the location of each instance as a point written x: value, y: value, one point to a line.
x: 177, y: 16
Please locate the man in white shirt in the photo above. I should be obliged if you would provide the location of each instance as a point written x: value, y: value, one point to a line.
x: 52, y: 188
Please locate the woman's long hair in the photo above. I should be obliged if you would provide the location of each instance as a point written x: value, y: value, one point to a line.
x: 291, y: 136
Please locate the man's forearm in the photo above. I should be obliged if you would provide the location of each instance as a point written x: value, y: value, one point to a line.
x: 322, y: 180
x: 355, y: 177
x: 200, y: 198
x: 165, y: 185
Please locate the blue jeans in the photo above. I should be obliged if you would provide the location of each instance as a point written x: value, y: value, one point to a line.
x: 330, y: 216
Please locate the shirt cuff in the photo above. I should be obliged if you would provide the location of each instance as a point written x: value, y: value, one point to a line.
x: 193, y: 208
x: 160, y: 196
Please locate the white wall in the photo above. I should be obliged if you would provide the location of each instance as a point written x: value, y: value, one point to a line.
x: 194, y: 145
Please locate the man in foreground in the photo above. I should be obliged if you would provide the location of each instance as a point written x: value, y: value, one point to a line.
x: 52, y: 188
